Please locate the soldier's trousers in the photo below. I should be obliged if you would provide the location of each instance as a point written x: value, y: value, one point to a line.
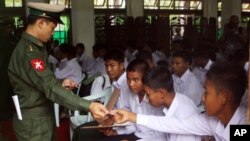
x: 38, y: 125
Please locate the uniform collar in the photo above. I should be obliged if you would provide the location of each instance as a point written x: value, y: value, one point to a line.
x: 32, y: 39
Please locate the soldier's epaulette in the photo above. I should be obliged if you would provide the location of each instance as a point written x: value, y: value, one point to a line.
x: 30, y: 48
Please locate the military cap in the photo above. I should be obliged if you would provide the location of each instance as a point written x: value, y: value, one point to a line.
x: 52, y: 12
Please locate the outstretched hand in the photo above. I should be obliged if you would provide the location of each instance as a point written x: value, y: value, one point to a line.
x: 122, y: 116
x: 98, y: 111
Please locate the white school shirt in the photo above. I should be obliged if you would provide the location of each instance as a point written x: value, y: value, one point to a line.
x: 98, y: 66
x: 196, y: 125
x: 158, y: 56
x: 130, y: 56
x: 189, y: 85
x: 71, y: 70
x: 180, y: 108
x: 121, y: 84
x: 200, y: 73
x: 132, y: 104
x: 100, y: 83
x: 52, y: 62
x: 86, y: 63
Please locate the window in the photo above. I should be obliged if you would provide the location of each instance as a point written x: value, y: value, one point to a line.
x: 67, y: 3
x: 61, y: 31
x: 109, y: 4
x: 13, y: 3
x: 173, y: 4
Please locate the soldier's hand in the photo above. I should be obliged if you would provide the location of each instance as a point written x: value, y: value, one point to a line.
x: 69, y: 84
x: 98, y: 111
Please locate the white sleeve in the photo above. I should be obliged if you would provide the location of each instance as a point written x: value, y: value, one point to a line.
x: 194, y: 125
x: 96, y: 87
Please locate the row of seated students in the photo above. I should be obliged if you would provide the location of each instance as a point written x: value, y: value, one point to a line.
x: 166, y: 110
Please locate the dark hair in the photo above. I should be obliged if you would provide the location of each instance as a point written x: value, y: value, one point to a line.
x: 64, y: 48
x: 230, y: 77
x: 138, y: 66
x: 114, y: 54
x: 143, y: 55
x: 80, y: 45
x: 31, y: 19
x: 184, y: 55
x: 159, y: 77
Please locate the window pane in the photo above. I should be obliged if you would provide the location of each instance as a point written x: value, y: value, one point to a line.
x: 9, y: 3
x: 246, y: 7
x: 116, y: 4
x: 150, y: 4
x: 18, y: 3
x: 166, y: 4
x: 100, y: 3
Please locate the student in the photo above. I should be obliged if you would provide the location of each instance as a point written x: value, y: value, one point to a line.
x: 136, y: 101
x: 71, y: 68
x: 35, y: 84
x: 146, y: 56
x: 158, y: 85
x: 85, y: 61
x: 114, y: 65
x: 202, y: 64
x: 184, y: 80
x: 225, y: 85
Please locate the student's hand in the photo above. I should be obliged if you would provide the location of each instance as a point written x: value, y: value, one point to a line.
x: 69, y: 84
x: 98, y: 111
x: 122, y: 116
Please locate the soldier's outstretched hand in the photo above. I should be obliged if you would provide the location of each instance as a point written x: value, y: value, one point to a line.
x: 98, y: 111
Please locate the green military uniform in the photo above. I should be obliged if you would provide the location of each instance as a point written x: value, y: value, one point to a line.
x: 37, y: 89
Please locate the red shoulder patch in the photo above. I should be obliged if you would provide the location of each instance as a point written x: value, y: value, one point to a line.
x: 37, y: 64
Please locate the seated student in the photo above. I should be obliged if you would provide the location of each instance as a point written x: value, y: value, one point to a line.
x: 184, y: 80
x: 85, y: 61
x: 146, y: 56
x: 71, y: 69
x: 136, y: 102
x: 114, y: 65
x: 225, y: 85
x: 202, y: 64
x: 158, y: 85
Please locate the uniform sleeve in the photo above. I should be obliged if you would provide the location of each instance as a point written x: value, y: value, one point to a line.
x: 41, y: 77
x: 194, y: 125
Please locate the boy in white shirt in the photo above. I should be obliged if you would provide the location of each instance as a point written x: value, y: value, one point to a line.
x: 202, y: 64
x: 136, y: 101
x: 184, y: 80
x: 225, y: 85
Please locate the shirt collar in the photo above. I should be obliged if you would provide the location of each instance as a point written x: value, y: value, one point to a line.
x: 208, y: 65
x: 118, y: 83
x: 32, y: 39
x: 239, y: 117
x: 173, y: 107
x: 184, y: 77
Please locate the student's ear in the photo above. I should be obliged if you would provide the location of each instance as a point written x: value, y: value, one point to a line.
x: 122, y: 66
x: 224, y: 96
x: 161, y: 92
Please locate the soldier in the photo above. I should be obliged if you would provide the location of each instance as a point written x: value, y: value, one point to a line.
x: 34, y: 82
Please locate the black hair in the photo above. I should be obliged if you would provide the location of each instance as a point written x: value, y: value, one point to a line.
x: 184, y: 55
x: 80, y: 45
x: 159, y: 78
x: 228, y: 76
x: 143, y: 55
x: 31, y: 19
x: 114, y: 54
x: 138, y: 66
